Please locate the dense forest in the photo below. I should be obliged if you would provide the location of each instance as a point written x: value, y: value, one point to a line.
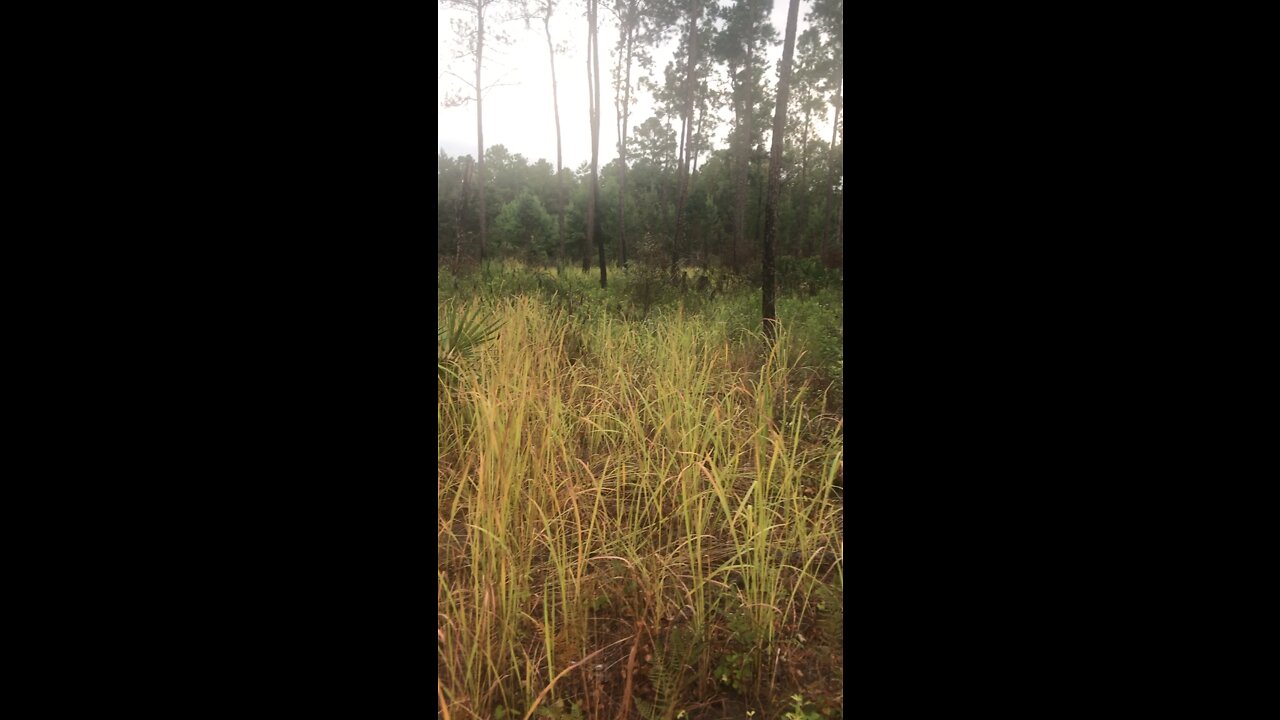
x: 670, y: 193
x: 640, y: 376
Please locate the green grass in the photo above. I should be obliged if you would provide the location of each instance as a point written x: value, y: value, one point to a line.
x: 634, y: 513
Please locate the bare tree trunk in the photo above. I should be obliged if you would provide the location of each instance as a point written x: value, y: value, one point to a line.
x: 664, y: 200
x: 687, y: 130
x: 840, y: 226
x: 588, y: 236
x: 555, y: 103
x: 775, y: 174
x: 840, y: 229
x: 622, y: 146
x: 617, y: 119
x: 696, y: 145
x: 458, y: 213
x: 832, y: 183
x: 696, y: 137
x: 480, y: 122
x: 803, y: 242
x: 760, y: 186
x: 743, y: 162
x: 595, y: 142
x: 739, y: 179
x: 679, y: 175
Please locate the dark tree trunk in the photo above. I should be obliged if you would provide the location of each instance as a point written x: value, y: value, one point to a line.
x: 775, y: 175
x: 803, y: 244
x: 679, y: 175
x: 696, y: 138
x: 741, y: 159
x: 589, y: 235
x: 832, y: 179
x: 687, y: 130
x: 480, y: 123
x: 622, y: 147
x: 555, y: 103
x: 595, y: 141
x: 695, y: 144
x: 840, y: 227
x: 460, y: 212
x: 760, y: 185
x: 664, y: 200
x: 840, y: 224
x: 737, y: 170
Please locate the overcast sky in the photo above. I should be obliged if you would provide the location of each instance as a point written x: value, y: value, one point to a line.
x: 520, y: 115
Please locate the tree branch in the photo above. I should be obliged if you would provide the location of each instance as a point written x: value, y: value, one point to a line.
x: 468, y: 83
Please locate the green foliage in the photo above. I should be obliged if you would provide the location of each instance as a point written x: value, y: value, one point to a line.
x: 798, y: 710
x: 524, y: 228
x: 559, y: 710
x: 830, y: 605
x: 648, y: 293
x: 737, y: 668
x: 458, y: 336
x: 817, y: 323
x: 667, y: 674
x: 804, y: 275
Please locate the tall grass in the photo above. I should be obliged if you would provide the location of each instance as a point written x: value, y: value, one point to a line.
x: 634, y: 517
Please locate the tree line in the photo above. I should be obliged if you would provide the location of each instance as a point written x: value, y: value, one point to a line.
x: 669, y: 195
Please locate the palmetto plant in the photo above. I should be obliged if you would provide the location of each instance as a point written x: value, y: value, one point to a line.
x: 459, y: 335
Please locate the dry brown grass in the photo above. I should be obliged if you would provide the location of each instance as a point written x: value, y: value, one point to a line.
x: 656, y: 497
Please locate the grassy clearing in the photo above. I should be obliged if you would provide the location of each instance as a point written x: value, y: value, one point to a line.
x: 637, y: 517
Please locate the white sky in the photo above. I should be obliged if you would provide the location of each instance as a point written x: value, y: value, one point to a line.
x: 521, y: 117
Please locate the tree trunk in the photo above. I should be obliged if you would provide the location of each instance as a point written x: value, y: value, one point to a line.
x: 695, y: 144
x: 663, y: 188
x: 743, y: 161
x: 686, y: 131
x: 460, y: 211
x: 589, y: 235
x: 760, y: 186
x: 679, y: 176
x: 775, y: 175
x: 738, y: 177
x: 831, y: 185
x: 595, y: 141
x: 622, y: 148
x: 696, y: 137
x: 840, y: 227
x: 555, y: 103
x: 740, y: 193
x: 480, y: 122
x: 803, y: 243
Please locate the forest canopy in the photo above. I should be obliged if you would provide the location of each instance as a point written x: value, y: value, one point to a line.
x: 688, y: 183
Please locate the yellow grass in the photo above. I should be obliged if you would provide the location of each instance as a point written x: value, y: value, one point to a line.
x: 634, y: 490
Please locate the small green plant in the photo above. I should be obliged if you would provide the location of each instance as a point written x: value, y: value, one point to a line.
x: 798, y: 711
x: 457, y: 338
x: 560, y: 711
x: 736, y: 670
